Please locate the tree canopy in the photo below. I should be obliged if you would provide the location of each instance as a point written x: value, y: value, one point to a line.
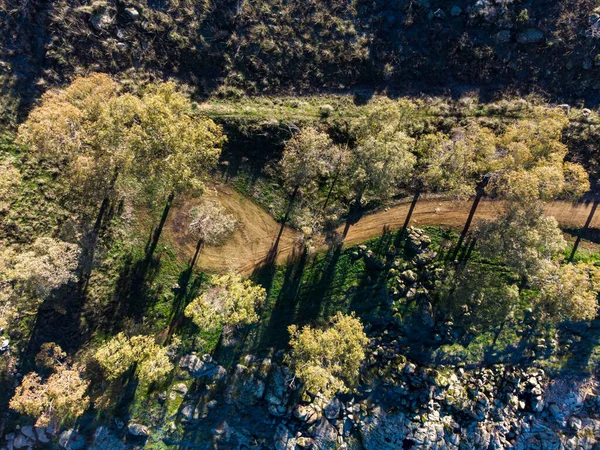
x: 229, y: 301
x: 328, y: 360
x: 60, y: 397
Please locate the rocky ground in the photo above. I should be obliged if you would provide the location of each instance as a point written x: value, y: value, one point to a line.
x: 399, y: 403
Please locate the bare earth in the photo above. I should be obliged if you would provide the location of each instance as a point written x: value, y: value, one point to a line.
x: 257, y: 230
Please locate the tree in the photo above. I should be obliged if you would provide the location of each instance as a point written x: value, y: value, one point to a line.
x: 103, y: 140
x: 67, y: 131
x: 61, y: 397
x: 328, y: 361
x: 174, y: 149
x: 568, y: 292
x: 530, y: 161
x: 478, y: 296
x: 119, y: 354
x: 306, y: 157
x: 210, y: 223
x: 381, y: 159
x: 523, y: 239
x: 44, y: 267
x: 456, y: 164
x: 230, y: 301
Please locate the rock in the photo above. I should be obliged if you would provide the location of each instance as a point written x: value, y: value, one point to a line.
x: 188, y: 412
x: 277, y: 388
x: 439, y: 14
x: 101, y: 18
x: 409, y: 276
x: 502, y: 37
x: 530, y: 36
x: 22, y: 441
x: 332, y: 410
x: 203, y: 368
x: 40, y: 434
x: 325, y: 435
x: 180, y: 388
x: 71, y: 440
x: 304, y: 442
x: 4, y: 345
x: 132, y: 13
x: 306, y: 414
x: 138, y: 430
x: 575, y: 423
x: 284, y: 439
x: 537, y: 404
x: 27, y: 431
x: 191, y: 363
x: 456, y: 11
x: 245, y: 387
x: 105, y: 440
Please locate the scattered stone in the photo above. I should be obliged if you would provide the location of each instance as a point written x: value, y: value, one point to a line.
x: 105, y: 440
x: 132, y: 13
x: 22, y: 441
x: 71, y: 440
x: 180, y: 388
x: 502, y: 37
x: 530, y: 36
x: 332, y: 410
x: 102, y: 18
x: 27, y: 431
x: 138, y: 430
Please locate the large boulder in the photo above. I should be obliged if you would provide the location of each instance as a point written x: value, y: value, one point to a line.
x: 105, y: 440
x: 71, y: 440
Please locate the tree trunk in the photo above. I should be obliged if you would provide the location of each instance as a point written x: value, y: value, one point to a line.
x: 583, y: 230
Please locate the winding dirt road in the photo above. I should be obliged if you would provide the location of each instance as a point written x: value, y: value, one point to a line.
x: 257, y: 230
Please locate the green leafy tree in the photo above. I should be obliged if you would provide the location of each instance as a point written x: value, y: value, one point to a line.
x: 230, y: 301
x: 456, y: 164
x: 306, y: 159
x: 104, y: 141
x: 328, y: 361
x: 381, y: 157
x: 523, y: 239
x: 477, y: 296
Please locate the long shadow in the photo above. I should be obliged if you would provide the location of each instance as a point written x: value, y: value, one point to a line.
x: 59, y: 316
x: 285, y: 305
x: 580, y: 350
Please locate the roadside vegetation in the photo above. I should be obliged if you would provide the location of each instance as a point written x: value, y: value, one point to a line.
x: 90, y: 284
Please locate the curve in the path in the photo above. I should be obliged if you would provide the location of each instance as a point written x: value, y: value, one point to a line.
x: 254, y: 238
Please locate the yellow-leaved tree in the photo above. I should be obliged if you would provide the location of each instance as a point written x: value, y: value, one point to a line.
x: 120, y: 353
x: 59, y: 398
x: 328, y: 360
x: 231, y: 301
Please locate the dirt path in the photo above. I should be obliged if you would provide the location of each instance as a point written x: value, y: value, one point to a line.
x: 257, y: 230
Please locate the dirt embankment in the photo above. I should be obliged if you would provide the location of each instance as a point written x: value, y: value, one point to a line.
x: 257, y: 231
